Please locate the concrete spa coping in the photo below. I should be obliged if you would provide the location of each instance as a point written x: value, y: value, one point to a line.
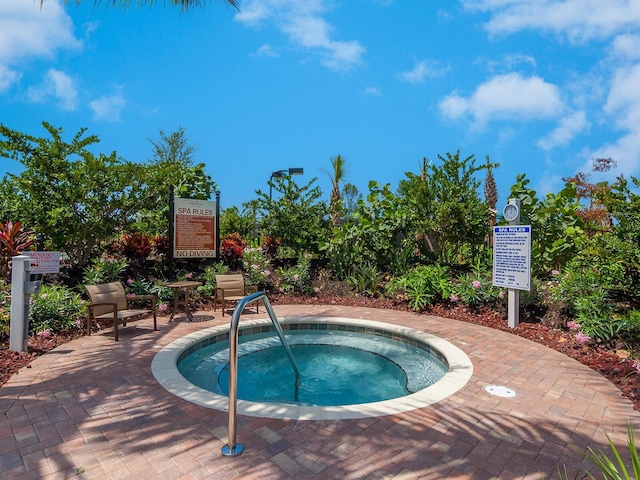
x: 165, y: 369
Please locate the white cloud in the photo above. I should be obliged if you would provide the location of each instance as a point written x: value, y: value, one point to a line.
x: 567, y: 129
x: 7, y: 77
x: 579, y: 20
x: 623, y: 101
x: 30, y: 31
x: 506, y: 97
x: 549, y: 182
x: 27, y: 30
x: 422, y: 70
x: 627, y: 46
x: 623, y: 107
x: 58, y: 86
x: 108, y: 108
x: 374, y: 91
x: 303, y: 22
x: 266, y: 50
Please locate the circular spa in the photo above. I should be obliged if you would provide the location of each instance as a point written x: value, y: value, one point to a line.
x: 348, y: 368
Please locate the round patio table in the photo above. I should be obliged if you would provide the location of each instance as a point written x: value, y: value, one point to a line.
x: 177, y: 287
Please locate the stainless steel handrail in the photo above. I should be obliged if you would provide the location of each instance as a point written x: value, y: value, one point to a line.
x: 232, y: 448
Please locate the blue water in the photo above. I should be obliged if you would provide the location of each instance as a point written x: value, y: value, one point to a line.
x: 336, y: 368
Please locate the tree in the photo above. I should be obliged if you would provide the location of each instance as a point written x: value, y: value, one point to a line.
x: 234, y: 221
x: 335, y: 200
x: 184, y: 4
x: 594, y: 213
x: 298, y: 218
x: 350, y: 198
x: 373, y: 236
x: 444, y: 208
x: 171, y: 167
x: 556, y: 227
x: 77, y: 199
x: 491, y: 197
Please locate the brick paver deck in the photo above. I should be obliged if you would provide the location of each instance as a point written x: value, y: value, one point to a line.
x: 91, y: 409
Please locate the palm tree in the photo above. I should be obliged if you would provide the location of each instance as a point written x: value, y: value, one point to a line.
x: 185, y: 4
x: 491, y: 196
x: 335, y: 202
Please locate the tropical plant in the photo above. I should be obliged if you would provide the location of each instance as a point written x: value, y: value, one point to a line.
x: 491, y: 197
x: 350, y: 198
x: 5, y: 296
x: 148, y: 287
x: 232, y: 249
x: 422, y: 286
x: 56, y: 308
x: 365, y: 279
x: 612, y: 466
x: 104, y: 270
x: 171, y: 169
x: 234, y: 221
x: 13, y: 241
x: 472, y: 290
x: 335, y: 199
x: 134, y: 247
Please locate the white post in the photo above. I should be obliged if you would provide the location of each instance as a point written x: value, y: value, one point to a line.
x: 513, y: 309
x: 19, y: 326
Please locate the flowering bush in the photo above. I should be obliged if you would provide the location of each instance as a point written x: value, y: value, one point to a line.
x: 473, y: 291
x: 257, y: 267
x: 296, y: 279
x: 56, y: 308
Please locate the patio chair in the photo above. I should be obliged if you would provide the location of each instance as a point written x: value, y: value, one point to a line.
x: 231, y: 288
x: 109, y: 301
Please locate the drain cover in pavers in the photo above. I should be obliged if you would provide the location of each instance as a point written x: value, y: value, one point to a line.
x: 500, y: 391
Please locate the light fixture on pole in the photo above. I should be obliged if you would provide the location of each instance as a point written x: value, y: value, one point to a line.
x: 283, y: 173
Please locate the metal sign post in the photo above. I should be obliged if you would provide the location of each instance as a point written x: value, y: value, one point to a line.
x: 512, y: 259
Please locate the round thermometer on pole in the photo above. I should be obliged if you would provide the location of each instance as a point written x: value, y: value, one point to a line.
x: 511, y: 212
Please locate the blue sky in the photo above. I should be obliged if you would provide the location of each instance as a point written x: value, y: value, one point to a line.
x: 541, y: 86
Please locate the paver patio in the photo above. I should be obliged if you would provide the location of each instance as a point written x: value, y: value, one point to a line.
x: 91, y: 409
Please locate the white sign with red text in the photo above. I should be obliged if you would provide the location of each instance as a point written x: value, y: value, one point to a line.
x: 44, y: 262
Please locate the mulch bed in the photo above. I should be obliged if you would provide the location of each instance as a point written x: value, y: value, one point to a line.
x: 614, y: 367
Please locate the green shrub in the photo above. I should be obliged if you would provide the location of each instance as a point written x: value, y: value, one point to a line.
x: 256, y: 266
x: 365, y: 278
x: 147, y: 287
x: 296, y: 279
x: 56, y: 308
x: 474, y: 291
x: 424, y: 285
x: 5, y: 309
x: 104, y: 270
x: 208, y: 278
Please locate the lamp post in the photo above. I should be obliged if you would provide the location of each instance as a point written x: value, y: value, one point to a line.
x: 283, y: 173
